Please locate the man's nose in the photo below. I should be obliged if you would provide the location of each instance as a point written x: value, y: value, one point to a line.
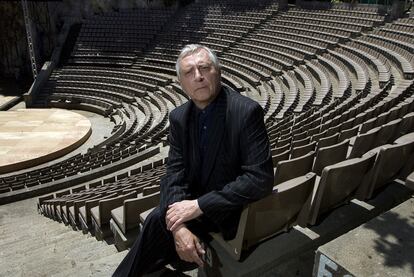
x: 197, y: 74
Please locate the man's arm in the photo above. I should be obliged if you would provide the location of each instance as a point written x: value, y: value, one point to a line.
x: 174, y: 186
x: 188, y: 246
x: 174, y: 189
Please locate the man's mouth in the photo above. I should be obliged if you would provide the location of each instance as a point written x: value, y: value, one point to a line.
x: 200, y: 88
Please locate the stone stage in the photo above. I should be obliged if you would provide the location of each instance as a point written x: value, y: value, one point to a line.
x: 29, y: 137
x: 5, y: 99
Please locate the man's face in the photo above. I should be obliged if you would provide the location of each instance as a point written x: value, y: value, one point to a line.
x: 199, y: 78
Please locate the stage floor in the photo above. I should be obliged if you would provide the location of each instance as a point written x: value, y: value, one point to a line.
x: 5, y: 99
x: 29, y: 137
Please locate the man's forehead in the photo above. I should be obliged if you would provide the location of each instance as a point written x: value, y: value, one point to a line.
x: 197, y: 57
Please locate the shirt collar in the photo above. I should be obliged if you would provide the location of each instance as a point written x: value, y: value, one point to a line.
x: 209, y: 107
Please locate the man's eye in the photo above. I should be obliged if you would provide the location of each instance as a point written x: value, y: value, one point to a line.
x: 205, y: 67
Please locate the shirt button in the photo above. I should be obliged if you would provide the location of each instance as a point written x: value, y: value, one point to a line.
x: 205, y: 127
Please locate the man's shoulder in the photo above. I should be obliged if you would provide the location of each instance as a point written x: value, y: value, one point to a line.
x: 239, y: 101
x: 178, y: 112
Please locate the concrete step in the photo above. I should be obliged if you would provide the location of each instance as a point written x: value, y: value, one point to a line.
x: 381, y: 247
x: 104, y: 266
x: 33, y: 245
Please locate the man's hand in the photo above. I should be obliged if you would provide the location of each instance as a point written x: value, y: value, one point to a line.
x: 181, y: 212
x: 188, y: 246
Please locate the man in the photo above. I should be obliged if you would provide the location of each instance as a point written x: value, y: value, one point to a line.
x: 219, y: 160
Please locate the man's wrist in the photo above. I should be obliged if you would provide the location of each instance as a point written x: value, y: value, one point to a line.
x: 199, y: 211
x: 182, y: 225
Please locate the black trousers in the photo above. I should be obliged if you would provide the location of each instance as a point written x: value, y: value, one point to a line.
x: 155, y: 247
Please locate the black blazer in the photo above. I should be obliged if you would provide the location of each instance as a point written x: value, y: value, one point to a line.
x: 238, y: 163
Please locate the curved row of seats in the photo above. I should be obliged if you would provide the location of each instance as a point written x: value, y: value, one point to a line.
x: 88, y: 208
x: 270, y: 56
x: 337, y: 109
x: 116, y: 37
x: 139, y: 122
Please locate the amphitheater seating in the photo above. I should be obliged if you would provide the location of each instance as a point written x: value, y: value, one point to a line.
x: 389, y: 162
x: 125, y: 220
x: 299, y: 151
x: 79, y: 203
x: 271, y: 215
x: 114, y: 38
x: 286, y: 170
x: 335, y: 84
x: 101, y: 214
x: 338, y: 183
x: 329, y: 155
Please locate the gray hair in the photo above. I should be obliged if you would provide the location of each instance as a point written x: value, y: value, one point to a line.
x: 190, y: 49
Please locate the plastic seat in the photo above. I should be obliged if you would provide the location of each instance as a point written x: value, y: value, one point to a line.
x: 410, y: 181
x: 84, y: 214
x: 300, y: 142
x: 101, y: 214
x: 348, y: 133
x: 293, y: 168
x: 269, y: 216
x: 388, y: 132
x: 303, y: 150
x: 338, y: 184
x: 126, y: 218
x: 363, y: 143
x: 327, y: 141
x: 330, y: 155
x: 280, y: 157
x: 390, y: 160
x: 407, y: 124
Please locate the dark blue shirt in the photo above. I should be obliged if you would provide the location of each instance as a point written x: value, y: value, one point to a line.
x: 204, y: 121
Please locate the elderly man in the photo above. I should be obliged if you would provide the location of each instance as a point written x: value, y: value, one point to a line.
x: 219, y: 160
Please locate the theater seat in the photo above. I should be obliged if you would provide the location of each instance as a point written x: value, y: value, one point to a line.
x: 407, y: 124
x: 101, y: 214
x: 348, y: 133
x: 40, y: 202
x: 329, y: 140
x: 338, y: 184
x: 302, y: 150
x: 363, y: 143
x: 126, y: 218
x: 410, y: 181
x: 389, y: 162
x: 409, y: 165
x: 84, y: 214
x: 280, y: 157
x: 388, y: 132
x: 74, y: 210
x: 330, y: 155
x: 286, y: 170
x: 269, y: 216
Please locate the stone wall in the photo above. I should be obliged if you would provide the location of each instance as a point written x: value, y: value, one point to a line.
x: 14, y: 56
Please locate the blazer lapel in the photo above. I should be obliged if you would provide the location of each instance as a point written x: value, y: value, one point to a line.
x: 184, y: 135
x: 191, y: 156
x: 215, y: 135
x: 193, y: 149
